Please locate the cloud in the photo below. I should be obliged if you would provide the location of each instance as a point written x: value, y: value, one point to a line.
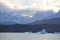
x: 32, y: 4
x: 46, y: 5
x: 39, y: 4
x: 26, y: 15
x: 22, y: 16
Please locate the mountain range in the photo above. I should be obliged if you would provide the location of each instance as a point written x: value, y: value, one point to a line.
x: 9, y: 16
x: 53, y: 19
x: 14, y: 21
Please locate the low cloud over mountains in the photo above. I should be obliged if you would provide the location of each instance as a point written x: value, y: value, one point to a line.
x: 10, y: 16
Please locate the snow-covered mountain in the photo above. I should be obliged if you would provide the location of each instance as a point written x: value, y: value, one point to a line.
x: 9, y: 16
x: 53, y: 19
x: 40, y: 15
x: 57, y: 15
x: 5, y: 17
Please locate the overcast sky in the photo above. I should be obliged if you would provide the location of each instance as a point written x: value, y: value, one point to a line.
x: 39, y: 4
